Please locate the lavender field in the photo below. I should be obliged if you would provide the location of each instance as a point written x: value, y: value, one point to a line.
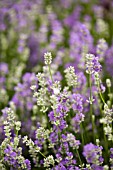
x: 56, y: 85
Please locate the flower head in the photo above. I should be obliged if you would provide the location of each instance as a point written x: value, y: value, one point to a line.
x: 92, y: 64
x: 48, y: 58
x: 71, y: 77
x: 93, y: 154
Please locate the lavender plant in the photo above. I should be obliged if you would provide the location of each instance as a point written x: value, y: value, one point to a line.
x: 56, y: 106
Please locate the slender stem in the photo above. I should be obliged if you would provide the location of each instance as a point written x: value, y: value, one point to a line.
x: 91, y: 108
x: 82, y: 136
x: 106, y: 145
x: 42, y: 154
x: 50, y: 72
x: 79, y: 157
x: 93, y: 122
x: 90, y: 85
x: 101, y: 94
x: 16, y: 133
x: 101, y: 97
x: 93, y: 126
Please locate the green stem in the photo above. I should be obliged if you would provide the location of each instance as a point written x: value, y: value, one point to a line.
x: 79, y: 157
x: 105, y: 146
x: 50, y: 72
x: 82, y: 136
x: 101, y: 97
x: 91, y: 108
x: 42, y: 154
x: 101, y: 94
x: 93, y: 126
x: 90, y: 85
